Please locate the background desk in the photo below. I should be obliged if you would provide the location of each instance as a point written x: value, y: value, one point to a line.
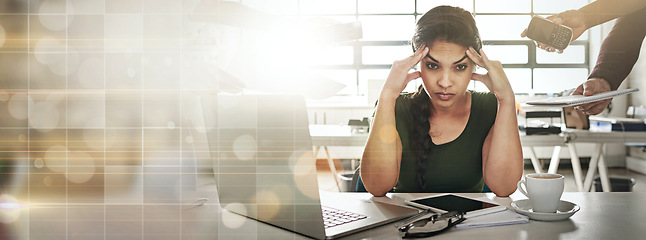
x: 602, y: 216
x: 334, y: 135
x: 600, y: 139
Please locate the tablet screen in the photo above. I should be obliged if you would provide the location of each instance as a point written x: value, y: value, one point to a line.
x: 454, y: 203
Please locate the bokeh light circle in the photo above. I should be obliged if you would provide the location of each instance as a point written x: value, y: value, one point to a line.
x: 269, y: 201
x: 39, y: 163
x: 50, y: 14
x: 56, y: 158
x: 44, y: 116
x: 232, y: 220
x: 18, y: 106
x: 90, y: 73
x: 3, y: 35
x: 244, y: 147
x: 81, y: 167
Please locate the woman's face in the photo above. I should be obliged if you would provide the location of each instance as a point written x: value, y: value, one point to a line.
x: 446, y: 73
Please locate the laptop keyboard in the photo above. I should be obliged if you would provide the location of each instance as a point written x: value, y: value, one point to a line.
x: 335, y: 217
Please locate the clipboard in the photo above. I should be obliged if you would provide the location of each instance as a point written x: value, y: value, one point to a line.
x: 574, y: 100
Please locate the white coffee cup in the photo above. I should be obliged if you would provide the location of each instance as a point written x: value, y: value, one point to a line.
x: 543, y: 190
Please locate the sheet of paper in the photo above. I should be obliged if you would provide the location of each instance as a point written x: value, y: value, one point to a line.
x: 506, y: 217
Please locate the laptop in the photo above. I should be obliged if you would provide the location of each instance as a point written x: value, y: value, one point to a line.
x: 265, y: 168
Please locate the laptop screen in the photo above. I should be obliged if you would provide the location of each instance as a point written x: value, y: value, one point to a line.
x: 262, y: 159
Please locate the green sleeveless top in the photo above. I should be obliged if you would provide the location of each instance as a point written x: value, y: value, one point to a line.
x: 455, y: 166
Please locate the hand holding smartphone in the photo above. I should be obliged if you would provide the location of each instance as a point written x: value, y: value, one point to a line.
x: 547, y: 32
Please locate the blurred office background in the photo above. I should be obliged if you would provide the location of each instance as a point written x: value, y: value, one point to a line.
x: 99, y: 96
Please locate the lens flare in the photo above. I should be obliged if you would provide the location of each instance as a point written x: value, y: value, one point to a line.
x: 9, y: 209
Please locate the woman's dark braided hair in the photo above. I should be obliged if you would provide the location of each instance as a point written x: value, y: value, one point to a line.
x: 443, y: 23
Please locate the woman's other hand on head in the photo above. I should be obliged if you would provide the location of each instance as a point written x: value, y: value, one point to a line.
x: 400, y: 76
x: 495, y: 79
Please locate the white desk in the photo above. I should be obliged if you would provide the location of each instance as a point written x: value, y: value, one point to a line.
x: 602, y: 216
x: 597, y: 162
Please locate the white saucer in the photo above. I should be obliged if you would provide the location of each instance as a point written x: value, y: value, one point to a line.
x: 564, y: 211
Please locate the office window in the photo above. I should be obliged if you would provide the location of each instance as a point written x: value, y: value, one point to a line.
x: 517, y: 54
x: 388, y: 26
x: 383, y: 28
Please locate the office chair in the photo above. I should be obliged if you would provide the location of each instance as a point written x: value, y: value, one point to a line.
x: 356, y: 183
x: 486, y: 189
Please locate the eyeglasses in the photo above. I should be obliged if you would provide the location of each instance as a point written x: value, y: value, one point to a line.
x: 428, y: 223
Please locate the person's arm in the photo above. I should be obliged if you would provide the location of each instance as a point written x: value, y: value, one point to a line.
x: 618, y: 54
x: 601, y: 11
x: 502, y: 156
x: 590, y: 15
x: 620, y: 49
x: 383, y: 151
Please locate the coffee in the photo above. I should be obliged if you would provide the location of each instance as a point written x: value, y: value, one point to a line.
x: 543, y: 190
x: 546, y: 177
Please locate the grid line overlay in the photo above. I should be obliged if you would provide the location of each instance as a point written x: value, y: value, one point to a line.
x: 103, y: 98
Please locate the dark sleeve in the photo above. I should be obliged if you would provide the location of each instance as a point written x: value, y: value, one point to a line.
x: 620, y: 49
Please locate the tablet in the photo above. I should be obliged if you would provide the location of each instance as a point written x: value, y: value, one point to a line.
x: 451, y: 202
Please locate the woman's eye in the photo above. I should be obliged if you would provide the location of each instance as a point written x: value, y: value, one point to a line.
x: 461, y: 67
x: 432, y: 65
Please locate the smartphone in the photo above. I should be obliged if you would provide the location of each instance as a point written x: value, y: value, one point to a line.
x: 450, y: 202
x: 547, y: 32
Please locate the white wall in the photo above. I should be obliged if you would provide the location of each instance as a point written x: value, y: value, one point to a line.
x: 637, y: 79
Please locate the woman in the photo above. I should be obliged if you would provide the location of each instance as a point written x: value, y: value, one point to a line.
x: 444, y: 138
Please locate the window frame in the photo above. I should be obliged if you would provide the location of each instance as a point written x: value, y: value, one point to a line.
x: 532, y: 64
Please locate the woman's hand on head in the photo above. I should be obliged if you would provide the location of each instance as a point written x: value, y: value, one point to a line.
x: 495, y: 79
x: 399, y: 75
